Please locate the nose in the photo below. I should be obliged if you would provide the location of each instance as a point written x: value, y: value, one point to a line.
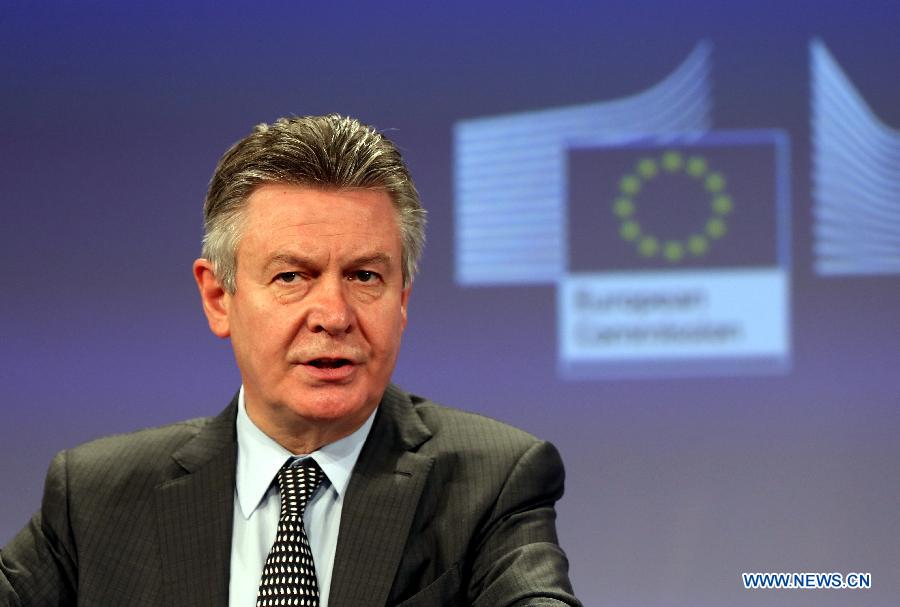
x: 330, y: 311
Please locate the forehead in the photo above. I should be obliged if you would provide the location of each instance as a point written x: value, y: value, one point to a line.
x: 279, y: 215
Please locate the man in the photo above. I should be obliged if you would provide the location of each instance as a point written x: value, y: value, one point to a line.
x: 321, y: 483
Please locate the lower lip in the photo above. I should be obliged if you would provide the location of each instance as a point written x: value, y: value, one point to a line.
x: 330, y: 374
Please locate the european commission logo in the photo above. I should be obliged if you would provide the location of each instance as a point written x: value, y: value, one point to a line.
x: 652, y: 184
x: 705, y: 201
x: 678, y: 256
x: 667, y: 241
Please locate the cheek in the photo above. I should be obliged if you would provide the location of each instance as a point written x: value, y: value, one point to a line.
x: 391, y: 331
x: 266, y: 331
x: 372, y: 326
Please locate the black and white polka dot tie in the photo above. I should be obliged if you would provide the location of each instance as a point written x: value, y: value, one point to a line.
x: 289, y: 576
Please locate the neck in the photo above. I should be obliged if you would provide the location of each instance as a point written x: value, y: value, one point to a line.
x: 300, y: 435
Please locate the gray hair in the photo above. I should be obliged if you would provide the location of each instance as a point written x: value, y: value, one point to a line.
x: 330, y: 151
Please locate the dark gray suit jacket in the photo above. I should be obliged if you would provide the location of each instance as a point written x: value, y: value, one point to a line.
x: 443, y: 508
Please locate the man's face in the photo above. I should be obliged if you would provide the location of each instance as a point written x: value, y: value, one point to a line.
x: 319, y: 306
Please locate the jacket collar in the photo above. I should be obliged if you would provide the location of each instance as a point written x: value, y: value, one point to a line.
x: 380, y: 504
x: 195, y: 509
x: 194, y: 515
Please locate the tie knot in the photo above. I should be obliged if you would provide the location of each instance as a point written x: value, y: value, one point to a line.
x: 296, y: 484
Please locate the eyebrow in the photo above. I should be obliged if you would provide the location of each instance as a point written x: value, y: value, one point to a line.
x: 289, y: 259
x: 373, y: 259
x: 293, y: 259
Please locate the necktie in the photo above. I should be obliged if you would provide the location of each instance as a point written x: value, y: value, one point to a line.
x: 289, y: 575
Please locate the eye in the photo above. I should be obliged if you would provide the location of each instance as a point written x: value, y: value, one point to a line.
x: 363, y: 276
x: 286, y: 277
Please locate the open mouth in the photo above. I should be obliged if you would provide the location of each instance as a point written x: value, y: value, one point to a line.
x: 329, y: 363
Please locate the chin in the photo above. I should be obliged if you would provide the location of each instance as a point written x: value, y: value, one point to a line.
x: 333, y: 406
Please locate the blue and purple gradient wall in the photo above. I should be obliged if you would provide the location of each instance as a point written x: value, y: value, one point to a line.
x: 113, y: 116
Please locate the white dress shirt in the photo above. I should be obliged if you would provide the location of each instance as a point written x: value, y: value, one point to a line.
x: 257, y: 505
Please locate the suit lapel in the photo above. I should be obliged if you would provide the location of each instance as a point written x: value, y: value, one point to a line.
x: 194, y: 514
x: 380, y: 505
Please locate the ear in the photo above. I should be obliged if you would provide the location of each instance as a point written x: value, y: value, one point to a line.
x: 214, y: 298
x: 404, y: 303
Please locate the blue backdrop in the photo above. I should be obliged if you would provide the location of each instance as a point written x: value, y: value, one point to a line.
x: 682, y: 472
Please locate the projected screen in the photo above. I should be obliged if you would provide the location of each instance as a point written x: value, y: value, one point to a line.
x: 664, y: 237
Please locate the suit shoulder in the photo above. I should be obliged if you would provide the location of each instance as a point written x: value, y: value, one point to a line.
x: 472, y: 450
x: 160, y: 437
x: 471, y: 431
x: 139, y: 452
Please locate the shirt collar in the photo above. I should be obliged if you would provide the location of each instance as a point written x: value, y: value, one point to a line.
x: 260, y: 458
